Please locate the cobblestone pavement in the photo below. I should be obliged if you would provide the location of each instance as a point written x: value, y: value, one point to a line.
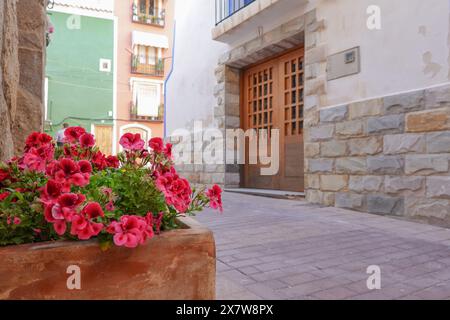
x: 282, y: 249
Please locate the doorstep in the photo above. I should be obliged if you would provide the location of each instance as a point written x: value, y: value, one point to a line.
x: 279, y: 194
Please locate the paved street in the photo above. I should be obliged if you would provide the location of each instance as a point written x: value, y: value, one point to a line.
x: 282, y: 249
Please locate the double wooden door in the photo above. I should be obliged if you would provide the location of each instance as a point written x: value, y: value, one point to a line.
x: 273, y: 99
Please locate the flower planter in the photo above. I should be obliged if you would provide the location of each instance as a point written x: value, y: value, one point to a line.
x: 178, y: 264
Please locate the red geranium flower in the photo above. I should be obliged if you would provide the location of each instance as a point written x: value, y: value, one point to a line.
x: 99, y: 161
x: 132, y: 142
x: 87, y: 140
x: 51, y: 192
x: 85, y: 166
x: 156, y: 144
x: 73, y: 134
x: 67, y: 172
x: 168, y: 151
x: 71, y: 200
x: 93, y: 210
x: 112, y: 161
x: 4, y: 174
x: 4, y: 195
x: 37, y: 140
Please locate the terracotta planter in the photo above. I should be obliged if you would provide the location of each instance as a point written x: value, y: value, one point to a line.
x: 178, y: 264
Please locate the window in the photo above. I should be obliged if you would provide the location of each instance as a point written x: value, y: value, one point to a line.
x: 105, y: 65
x: 142, y: 6
x: 142, y: 52
x: 147, y: 98
x: 146, y: 55
x: 151, y: 54
x: 151, y: 10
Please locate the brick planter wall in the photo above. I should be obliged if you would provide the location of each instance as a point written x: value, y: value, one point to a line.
x: 386, y: 156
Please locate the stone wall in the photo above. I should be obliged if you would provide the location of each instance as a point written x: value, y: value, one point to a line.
x: 22, y: 52
x: 387, y: 156
x: 9, y: 75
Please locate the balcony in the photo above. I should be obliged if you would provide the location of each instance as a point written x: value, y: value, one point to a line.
x: 134, y: 116
x: 157, y: 19
x: 155, y: 70
x: 226, y: 8
x: 237, y: 18
x: 150, y: 12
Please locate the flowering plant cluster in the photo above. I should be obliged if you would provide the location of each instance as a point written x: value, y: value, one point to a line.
x: 76, y: 192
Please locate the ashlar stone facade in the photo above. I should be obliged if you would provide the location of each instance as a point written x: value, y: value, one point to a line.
x: 387, y: 156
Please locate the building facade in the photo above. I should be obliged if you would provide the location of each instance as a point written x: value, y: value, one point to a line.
x: 80, y: 69
x: 358, y: 90
x: 144, y: 42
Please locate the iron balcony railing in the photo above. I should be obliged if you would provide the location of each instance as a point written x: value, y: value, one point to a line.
x: 226, y: 8
x: 137, y: 66
x: 156, y: 17
x: 134, y: 114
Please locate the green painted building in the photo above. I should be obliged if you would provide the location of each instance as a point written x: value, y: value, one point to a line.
x: 80, y: 71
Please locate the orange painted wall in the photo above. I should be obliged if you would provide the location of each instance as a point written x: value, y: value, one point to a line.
x: 125, y: 27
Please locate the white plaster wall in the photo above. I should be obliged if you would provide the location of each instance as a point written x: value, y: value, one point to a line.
x: 392, y: 59
x: 189, y: 90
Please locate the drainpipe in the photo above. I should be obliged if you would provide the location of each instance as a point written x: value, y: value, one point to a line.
x: 168, y: 78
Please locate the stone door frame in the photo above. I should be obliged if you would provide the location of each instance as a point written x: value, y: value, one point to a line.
x: 304, y: 30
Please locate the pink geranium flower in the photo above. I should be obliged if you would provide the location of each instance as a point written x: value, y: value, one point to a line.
x: 132, y: 142
x: 110, y: 206
x: 36, y: 159
x: 68, y: 172
x: 215, y: 197
x: 176, y: 190
x: 130, y: 231
x: 85, y: 229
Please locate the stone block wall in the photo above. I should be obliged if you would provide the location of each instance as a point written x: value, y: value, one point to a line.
x: 22, y: 63
x: 387, y: 156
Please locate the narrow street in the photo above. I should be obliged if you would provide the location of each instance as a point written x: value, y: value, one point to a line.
x: 282, y: 249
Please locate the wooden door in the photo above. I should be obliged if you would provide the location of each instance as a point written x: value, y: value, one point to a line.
x: 273, y: 99
x: 103, y: 138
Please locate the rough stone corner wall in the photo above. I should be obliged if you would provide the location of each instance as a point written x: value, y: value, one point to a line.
x: 22, y: 52
x: 387, y: 156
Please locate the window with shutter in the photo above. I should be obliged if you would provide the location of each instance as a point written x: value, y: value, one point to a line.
x: 147, y: 100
